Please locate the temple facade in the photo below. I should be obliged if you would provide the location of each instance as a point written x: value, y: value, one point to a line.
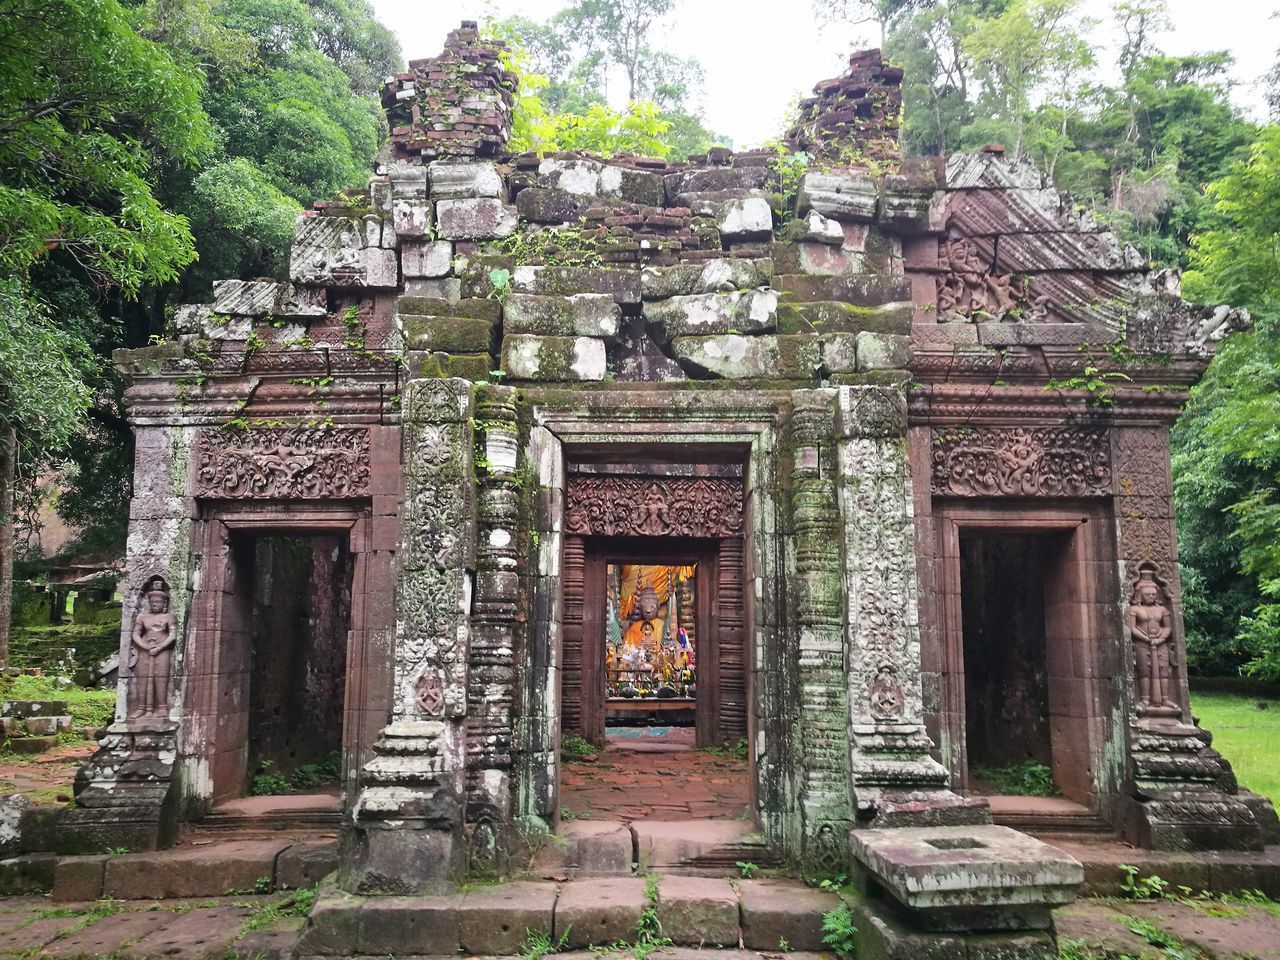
x: 856, y: 461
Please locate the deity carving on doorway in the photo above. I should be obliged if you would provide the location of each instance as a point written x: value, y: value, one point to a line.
x: 1150, y: 625
x: 155, y: 630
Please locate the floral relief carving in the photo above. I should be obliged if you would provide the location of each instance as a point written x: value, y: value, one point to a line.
x: 673, y: 507
x: 285, y: 463
x: 1021, y: 462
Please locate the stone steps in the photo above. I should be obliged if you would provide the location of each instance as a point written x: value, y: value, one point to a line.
x: 764, y: 915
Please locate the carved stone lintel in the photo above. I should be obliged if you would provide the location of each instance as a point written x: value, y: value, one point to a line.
x: 669, y: 507
x: 1021, y: 462
x: 286, y: 463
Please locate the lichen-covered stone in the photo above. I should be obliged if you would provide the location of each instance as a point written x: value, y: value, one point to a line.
x: 714, y: 179
x: 483, y: 218
x: 451, y: 180
x: 548, y: 205
x: 825, y: 260
x: 842, y: 196
x: 622, y: 285
x: 556, y: 359
x: 818, y: 229
x: 883, y: 351
x: 840, y: 352
x: 590, y: 178
x: 447, y: 334
x: 713, y: 276
x: 261, y: 298
x: 749, y: 217
x: 751, y: 311
x: 480, y: 309
x: 467, y: 366
x: 738, y: 357
x: 834, y: 316
x: 577, y: 315
x: 434, y: 288
x: 864, y: 289
x: 426, y: 258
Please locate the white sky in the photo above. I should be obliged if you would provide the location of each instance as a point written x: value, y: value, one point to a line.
x: 760, y: 55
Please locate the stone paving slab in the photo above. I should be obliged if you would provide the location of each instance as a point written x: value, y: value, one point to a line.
x: 497, y: 919
x: 196, y: 935
x: 694, y: 911
x: 105, y: 936
x: 1247, y: 931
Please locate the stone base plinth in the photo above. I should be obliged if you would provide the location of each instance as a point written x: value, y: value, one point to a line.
x: 400, y: 859
x: 1195, y: 821
x: 973, y: 878
x: 886, y: 933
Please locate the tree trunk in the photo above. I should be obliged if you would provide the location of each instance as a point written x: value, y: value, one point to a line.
x: 8, y: 464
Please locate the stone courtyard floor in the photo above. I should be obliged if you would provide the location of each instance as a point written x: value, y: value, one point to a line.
x: 257, y: 927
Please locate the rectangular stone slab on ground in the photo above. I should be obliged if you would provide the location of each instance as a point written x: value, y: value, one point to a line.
x: 974, y: 877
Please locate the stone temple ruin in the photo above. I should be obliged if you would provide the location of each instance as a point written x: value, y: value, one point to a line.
x: 867, y: 468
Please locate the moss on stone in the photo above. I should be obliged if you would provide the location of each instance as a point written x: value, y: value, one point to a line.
x: 448, y: 334
x: 473, y: 308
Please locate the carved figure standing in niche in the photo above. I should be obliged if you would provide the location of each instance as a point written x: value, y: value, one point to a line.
x: 886, y: 694
x: 1150, y: 625
x: 154, y: 632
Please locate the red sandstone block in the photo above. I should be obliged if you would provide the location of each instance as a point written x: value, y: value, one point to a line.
x: 398, y: 926
x: 774, y: 910
x: 192, y: 871
x: 306, y: 864
x: 599, y: 911
x: 77, y: 879
x: 495, y: 920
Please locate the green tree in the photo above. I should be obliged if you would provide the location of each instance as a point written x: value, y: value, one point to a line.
x: 1227, y: 444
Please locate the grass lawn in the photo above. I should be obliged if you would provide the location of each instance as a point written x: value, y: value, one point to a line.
x: 1248, y: 737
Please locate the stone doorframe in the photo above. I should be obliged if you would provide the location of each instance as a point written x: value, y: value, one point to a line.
x: 1085, y: 648
x: 745, y: 425
x: 213, y: 740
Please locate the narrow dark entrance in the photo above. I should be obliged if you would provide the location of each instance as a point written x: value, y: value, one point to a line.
x: 1024, y: 736
x: 288, y: 630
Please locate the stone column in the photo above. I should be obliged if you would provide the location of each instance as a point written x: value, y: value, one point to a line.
x: 1184, y: 794
x: 895, y: 780
x: 491, y: 683
x: 126, y: 795
x: 406, y: 829
x: 824, y: 789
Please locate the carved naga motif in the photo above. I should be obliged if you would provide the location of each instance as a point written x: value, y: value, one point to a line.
x: 286, y: 463
x: 1021, y: 462
x: 675, y: 507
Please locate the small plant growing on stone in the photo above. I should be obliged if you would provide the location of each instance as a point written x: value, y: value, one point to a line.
x: 784, y: 945
x: 746, y: 869
x: 500, y: 278
x: 838, y: 931
x: 1136, y: 887
x: 269, y: 784
x: 538, y: 944
x: 575, y: 747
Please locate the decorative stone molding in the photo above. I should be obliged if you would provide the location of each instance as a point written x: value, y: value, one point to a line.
x: 287, y: 463
x: 675, y: 507
x: 1021, y: 462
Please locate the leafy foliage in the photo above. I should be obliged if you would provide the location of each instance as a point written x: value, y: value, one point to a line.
x: 1227, y: 444
x: 839, y: 932
x: 1027, y: 779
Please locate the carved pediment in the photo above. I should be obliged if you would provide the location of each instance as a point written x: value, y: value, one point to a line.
x: 287, y: 463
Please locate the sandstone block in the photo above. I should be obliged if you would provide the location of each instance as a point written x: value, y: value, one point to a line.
x: 841, y: 196
x: 333, y: 925
x: 447, y: 334
x: 883, y: 351
x: 426, y: 258
x: 590, y: 847
x: 715, y: 179
x: 31, y: 873
x: 448, y: 289
x: 826, y: 260
x: 306, y: 864
x: 695, y: 911
x: 577, y: 315
x: 78, y: 879
x: 331, y: 252
x: 192, y: 871
x: 1023, y: 945
x: 819, y: 229
x: 452, y: 180
x: 622, y: 285
x: 865, y: 289
x: 713, y: 276
x: 749, y: 217
x: 494, y: 920
x: 476, y: 219
x: 548, y: 205
x: 411, y: 216
x: 400, y: 926
x: 882, y: 935
x: 840, y: 352
x: 600, y: 911
x: 753, y: 311
x: 257, y: 298
x: 734, y: 357
x: 590, y: 178
x: 777, y: 910
x: 556, y: 359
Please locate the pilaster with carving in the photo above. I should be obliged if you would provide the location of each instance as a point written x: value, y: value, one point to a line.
x: 895, y: 781
x: 406, y: 826
x: 126, y: 795
x: 824, y: 790
x: 491, y: 680
x: 1185, y: 794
